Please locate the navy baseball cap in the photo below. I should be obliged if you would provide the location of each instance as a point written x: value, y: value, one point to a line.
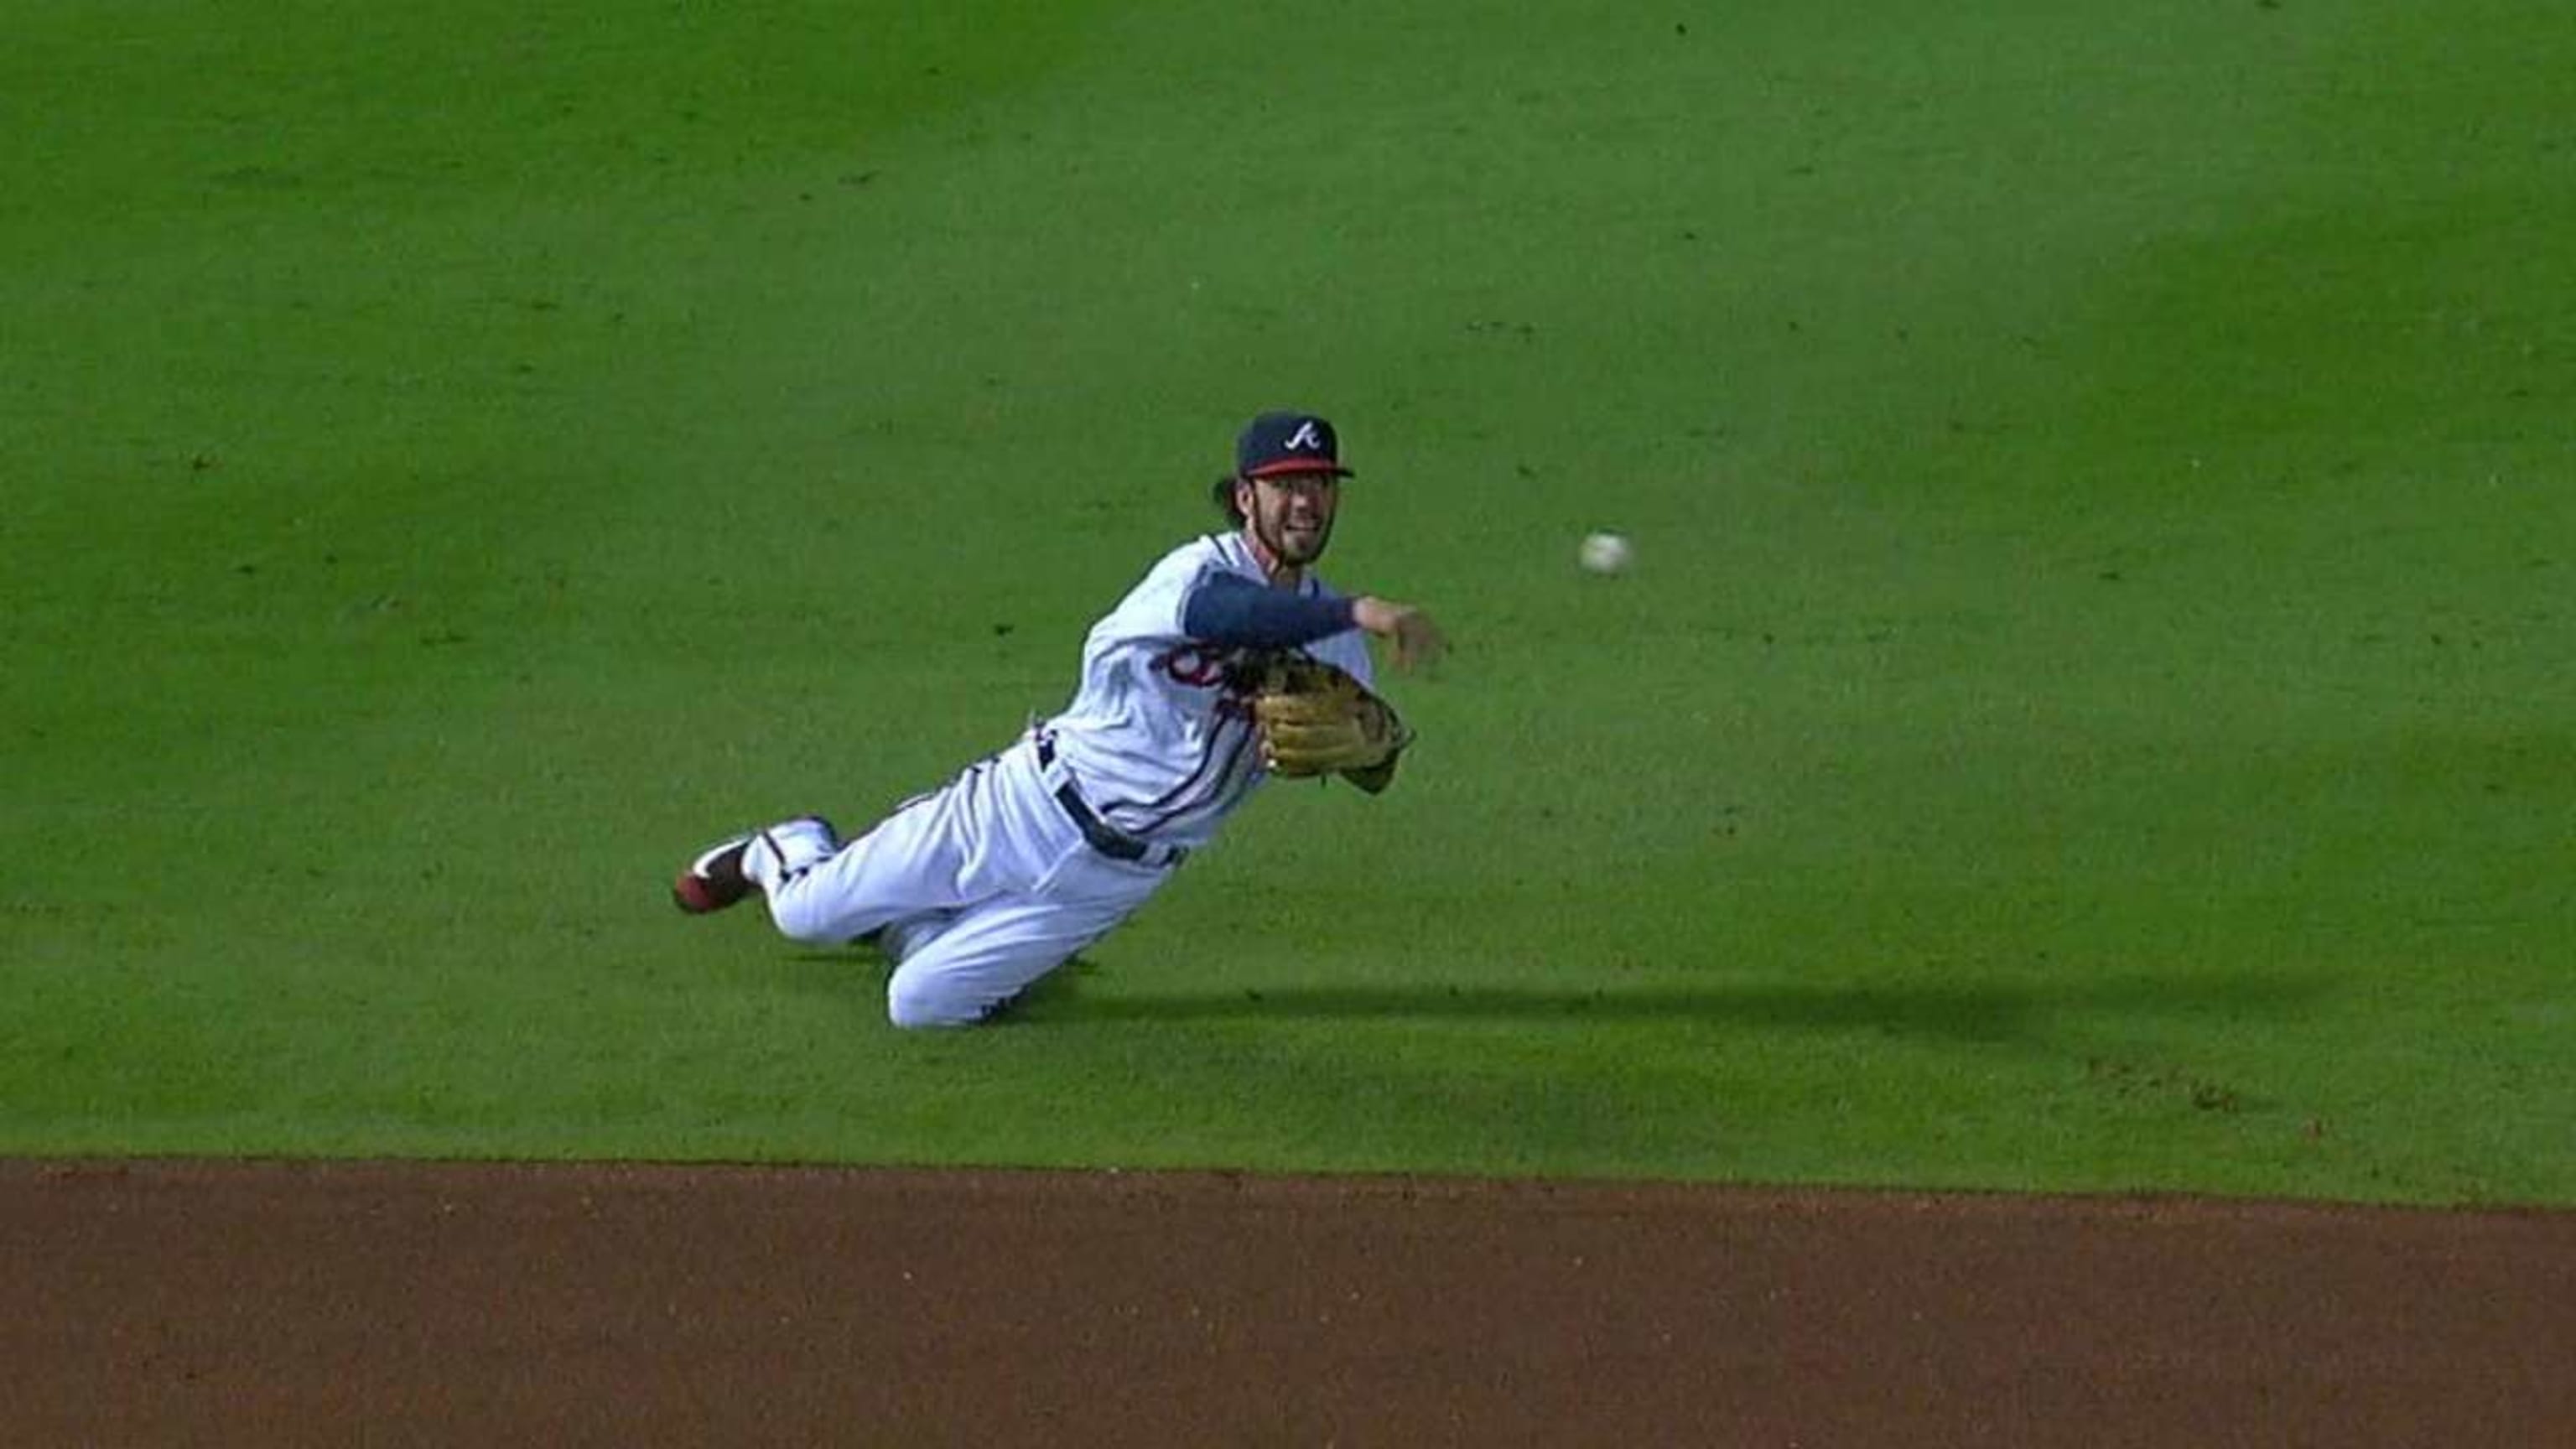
x: 1279, y: 443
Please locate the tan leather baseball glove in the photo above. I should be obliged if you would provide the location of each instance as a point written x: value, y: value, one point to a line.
x: 1317, y: 720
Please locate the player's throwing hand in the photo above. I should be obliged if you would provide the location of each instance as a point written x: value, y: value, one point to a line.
x: 1413, y: 641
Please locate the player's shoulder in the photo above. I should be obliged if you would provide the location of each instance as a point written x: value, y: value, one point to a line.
x: 1152, y: 608
x: 1208, y: 553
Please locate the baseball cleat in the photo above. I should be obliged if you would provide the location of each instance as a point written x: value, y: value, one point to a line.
x: 721, y: 875
x: 714, y: 880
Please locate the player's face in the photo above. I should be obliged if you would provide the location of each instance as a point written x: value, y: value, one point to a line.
x: 1292, y: 514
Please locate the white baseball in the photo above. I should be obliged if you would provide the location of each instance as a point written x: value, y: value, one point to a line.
x: 1607, y: 553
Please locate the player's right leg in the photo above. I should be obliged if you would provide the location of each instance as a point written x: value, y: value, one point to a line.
x: 987, y: 833
x: 715, y: 880
x: 921, y: 858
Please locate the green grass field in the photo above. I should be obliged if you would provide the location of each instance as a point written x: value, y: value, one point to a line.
x: 2093, y: 710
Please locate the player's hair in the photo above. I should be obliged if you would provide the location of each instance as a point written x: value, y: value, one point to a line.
x: 1223, y: 493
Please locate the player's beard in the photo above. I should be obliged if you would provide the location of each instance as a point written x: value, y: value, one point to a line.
x: 1293, y: 548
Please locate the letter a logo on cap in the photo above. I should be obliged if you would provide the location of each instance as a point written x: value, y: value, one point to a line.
x: 1287, y: 442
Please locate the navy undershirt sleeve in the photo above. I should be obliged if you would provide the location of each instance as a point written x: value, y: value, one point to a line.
x: 1230, y: 609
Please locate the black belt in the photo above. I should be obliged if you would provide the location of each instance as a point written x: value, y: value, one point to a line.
x: 1104, y: 837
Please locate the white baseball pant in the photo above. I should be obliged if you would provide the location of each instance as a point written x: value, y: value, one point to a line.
x: 974, y: 890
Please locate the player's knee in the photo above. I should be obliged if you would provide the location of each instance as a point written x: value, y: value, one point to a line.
x: 918, y: 1005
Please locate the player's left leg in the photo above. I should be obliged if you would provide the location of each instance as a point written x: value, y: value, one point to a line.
x: 957, y: 970
x: 900, y: 939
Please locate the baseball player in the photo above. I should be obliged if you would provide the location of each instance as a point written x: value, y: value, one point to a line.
x: 1230, y: 662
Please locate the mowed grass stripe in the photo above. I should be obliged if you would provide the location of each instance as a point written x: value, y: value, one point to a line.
x: 2022, y: 757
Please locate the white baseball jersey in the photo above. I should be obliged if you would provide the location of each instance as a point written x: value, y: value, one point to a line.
x: 1154, y: 738
x: 978, y: 888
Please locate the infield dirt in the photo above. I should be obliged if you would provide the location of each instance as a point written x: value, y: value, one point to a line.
x: 279, y: 1304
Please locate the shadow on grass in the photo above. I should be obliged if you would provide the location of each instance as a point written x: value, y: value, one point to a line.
x: 857, y: 976
x: 1987, y: 1011
x: 1993, y: 1012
